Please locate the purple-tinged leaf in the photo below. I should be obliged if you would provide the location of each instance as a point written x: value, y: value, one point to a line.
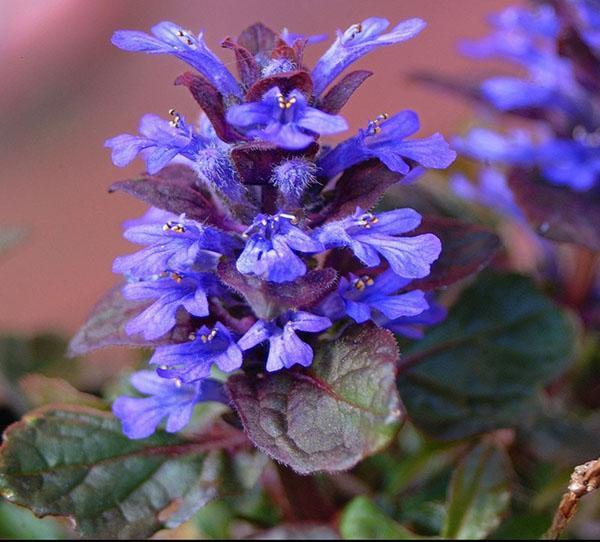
x: 332, y: 415
x: 362, y: 186
x: 466, y: 250
x: 558, y: 213
x: 284, y: 51
x: 105, y: 326
x: 74, y: 461
x: 340, y: 93
x: 211, y: 102
x: 255, y: 161
x: 269, y: 299
x: 585, y: 63
x: 248, y: 68
x: 175, y: 189
x: 258, y: 39
x: 286, y: 82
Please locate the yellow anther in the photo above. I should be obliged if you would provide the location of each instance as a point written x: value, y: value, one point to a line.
x: 177, y: 277
x: 192, y: 336
x: 359, y: 284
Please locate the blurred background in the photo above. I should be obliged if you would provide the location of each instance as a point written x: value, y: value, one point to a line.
x: 64, y: 89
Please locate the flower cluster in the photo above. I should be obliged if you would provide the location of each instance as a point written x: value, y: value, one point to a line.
x: 557, y: 45
x: 259, y: 238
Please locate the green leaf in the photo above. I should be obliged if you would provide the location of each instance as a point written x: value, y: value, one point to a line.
x: 75, y: 461
x: 479, y: 493
x: 330, y: 416
x: 105, y: 325
x: 482, y: 368
x: 17, y: 523
x: 40, y: 390
x: 362, y: 520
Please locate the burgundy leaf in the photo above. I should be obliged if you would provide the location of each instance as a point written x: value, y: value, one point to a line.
x: 283, y: 50
x: 105, y: 325
x: 288, y: 81
x: 362, y: 186
x: 558, y: 213
x: 333, y: 414
x: 258, y: 39
x: 585, y: 63
x: 269, y: 299
x: 247, y: 67
x: 211, y: 102
x: 254, y: 161
x: 339, y: 94
x: 175, y: 189
x: 466, y: 250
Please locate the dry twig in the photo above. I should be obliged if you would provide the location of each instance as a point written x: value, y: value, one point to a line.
x: 584, y: 480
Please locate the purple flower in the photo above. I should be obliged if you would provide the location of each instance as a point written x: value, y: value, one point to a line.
x: 357, y: 41
x: 161, y: 141
x: 292, y: 178
x: 286, y: 121
x: 285, y: 347
x: 192, y: 361
x: 169, y: 38
x: 371, y: 235
x: 270, y: 251
x: 364, y: 298
x: 491, y: 191
x: 384, y: 139
x: 292, y: 37
x: 171, y: 292
x: 486, y: 145
x: 413, y: 327
x: 573, y: 163
x: 168, y: 399
x: 153, y: 215
x: 176, y: 245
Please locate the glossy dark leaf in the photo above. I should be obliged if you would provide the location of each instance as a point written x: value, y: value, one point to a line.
x: 362, y: 520
x: 76, y: 462
x: 330, y: 416
x: 270, y: 299
x: 286, y: 82
x: 105, y: 325
x: 175, y: 189
x: 482, y: 368
x: 258, y: 39
x: 255, y: 161
x: 466, y: 250
x: 341, y: 92
x: 211, y: 102
x: 558, y: 213
x: 479, y: 494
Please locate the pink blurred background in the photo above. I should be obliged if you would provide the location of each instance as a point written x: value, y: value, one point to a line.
x: 64, y: 89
